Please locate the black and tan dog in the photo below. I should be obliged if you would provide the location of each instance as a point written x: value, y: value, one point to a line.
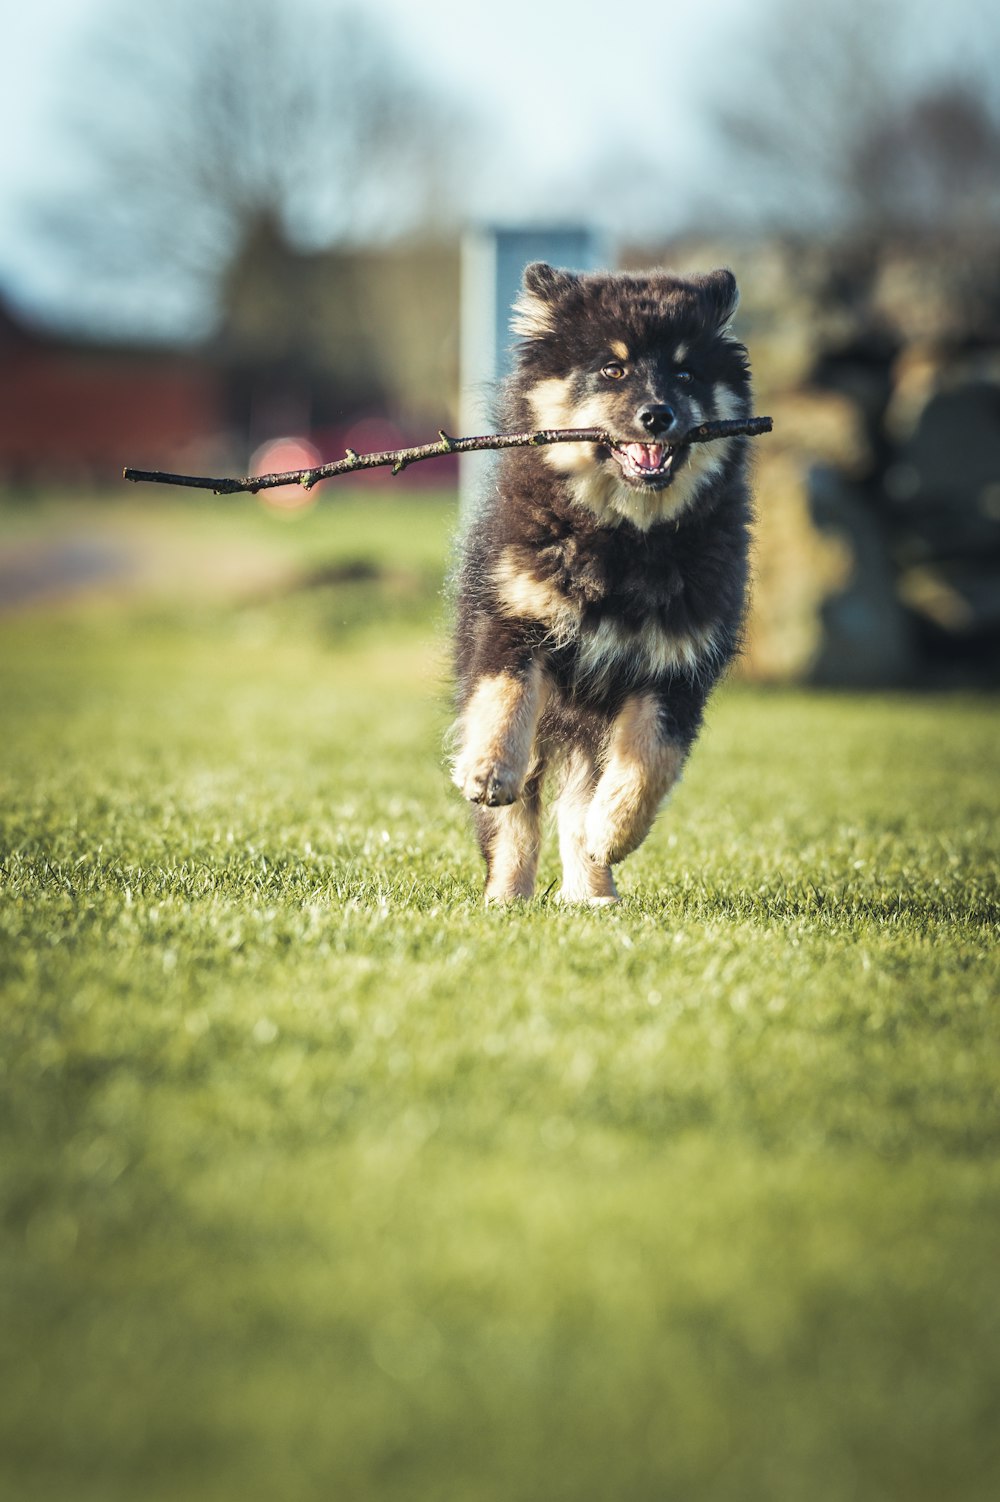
x: 602, y: 588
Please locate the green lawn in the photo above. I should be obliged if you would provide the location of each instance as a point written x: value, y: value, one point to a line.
x: 319, y: 1181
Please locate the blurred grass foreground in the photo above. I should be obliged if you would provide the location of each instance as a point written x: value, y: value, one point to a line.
x: 319, y: 1181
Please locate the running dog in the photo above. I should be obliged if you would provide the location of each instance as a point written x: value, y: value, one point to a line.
x: 602, y: 587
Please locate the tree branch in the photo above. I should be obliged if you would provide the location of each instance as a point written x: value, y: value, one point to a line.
x: 398, y: 459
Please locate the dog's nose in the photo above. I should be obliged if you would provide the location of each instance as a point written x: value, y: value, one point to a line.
x: 657, y: 419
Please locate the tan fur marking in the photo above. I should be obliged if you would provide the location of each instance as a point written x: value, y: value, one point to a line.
x: 583, y: 880
x: 729, y: 406
x: 618, y: 349
x: 519, y: 593
x: 498, y: 732
x: 610, y: 646
x: 514, y: 843
x: 549, y: 401
x: 551, y: 405
x: 641, y: 768
x: 530, y: 316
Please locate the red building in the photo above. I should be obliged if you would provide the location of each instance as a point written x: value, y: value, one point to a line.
x: 78, y: 411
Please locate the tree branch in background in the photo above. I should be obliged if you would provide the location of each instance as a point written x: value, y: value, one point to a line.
x: 705, y: 432
x: 215, y: 120
x: 829, y: 126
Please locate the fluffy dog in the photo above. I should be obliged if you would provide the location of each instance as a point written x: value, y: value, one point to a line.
x: 602, y: 588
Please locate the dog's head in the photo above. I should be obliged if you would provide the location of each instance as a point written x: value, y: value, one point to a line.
x: 643, y: 357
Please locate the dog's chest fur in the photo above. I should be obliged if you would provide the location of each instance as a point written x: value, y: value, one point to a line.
x: 618, y: 603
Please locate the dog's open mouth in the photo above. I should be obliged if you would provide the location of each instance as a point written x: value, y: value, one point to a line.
x: 650, y: 464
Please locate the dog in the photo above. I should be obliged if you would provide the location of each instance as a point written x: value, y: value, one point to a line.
x: 601, y: 588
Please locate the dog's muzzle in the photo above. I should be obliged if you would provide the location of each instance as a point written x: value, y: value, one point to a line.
x: 651, y: 466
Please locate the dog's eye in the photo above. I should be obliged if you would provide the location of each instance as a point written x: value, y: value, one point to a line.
x: 614, y: 370
x: 685, y: 377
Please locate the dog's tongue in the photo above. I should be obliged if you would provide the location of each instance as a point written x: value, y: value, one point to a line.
x: 645, y: 455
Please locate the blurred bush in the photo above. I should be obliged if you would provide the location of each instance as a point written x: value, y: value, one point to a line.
x: 878, y: 539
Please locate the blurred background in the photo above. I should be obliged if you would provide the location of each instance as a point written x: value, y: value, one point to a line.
x: 232, y: 222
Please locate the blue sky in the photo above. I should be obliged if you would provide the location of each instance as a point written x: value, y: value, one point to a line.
x: 585, y: 106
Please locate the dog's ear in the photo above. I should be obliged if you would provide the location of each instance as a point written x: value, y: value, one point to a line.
x: 547, y: 282
x: 542, y: 284
x: 721, y: 297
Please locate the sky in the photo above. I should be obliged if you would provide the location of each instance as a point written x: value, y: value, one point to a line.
x: 581, y: 108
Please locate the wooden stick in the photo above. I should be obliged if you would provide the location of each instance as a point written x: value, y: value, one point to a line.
x: 398, y: 459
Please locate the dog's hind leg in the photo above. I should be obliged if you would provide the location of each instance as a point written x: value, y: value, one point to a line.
x: 510, y: 838
x: 584, y: 880
x: 642, y: 765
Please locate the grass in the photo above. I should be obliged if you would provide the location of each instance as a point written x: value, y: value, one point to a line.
x: 319, y: 1181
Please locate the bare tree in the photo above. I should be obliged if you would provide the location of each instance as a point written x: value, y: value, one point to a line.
x: 934, y: 164
x: 192, y: 122
x: 833, y: 118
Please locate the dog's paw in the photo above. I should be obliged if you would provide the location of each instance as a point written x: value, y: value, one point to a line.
x: 586, y: 899
x: 491, y: 783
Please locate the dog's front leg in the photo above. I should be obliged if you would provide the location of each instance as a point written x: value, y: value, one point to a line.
x: 641, y: 765
x: 497, y: 733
